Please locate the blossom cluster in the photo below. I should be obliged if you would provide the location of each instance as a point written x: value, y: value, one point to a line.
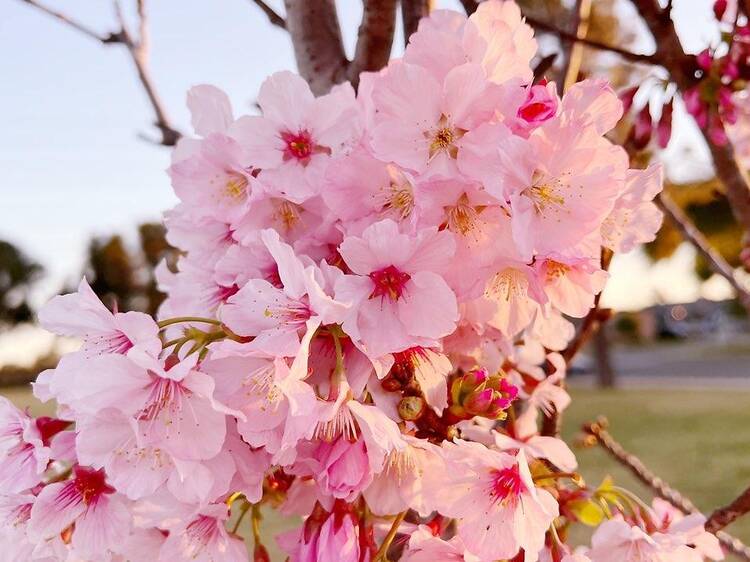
x: 366, y: 322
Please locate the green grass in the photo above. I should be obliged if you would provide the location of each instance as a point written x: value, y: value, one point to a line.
x: 697, y: 441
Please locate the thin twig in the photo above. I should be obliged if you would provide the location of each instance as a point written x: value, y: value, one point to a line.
x: 691, y: 233
x: 591, y: 323
x: 382, y: 553
x: 574, y: 59
x: 138, y: 50
x: 73, y: 23
x: 273, y: 17
x: 725, y: 516
x: 567, y: 36
x: 657, y: 485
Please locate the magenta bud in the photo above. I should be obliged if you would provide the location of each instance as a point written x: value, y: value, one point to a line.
x: 720, y: 8
x: 475, y: 377
x: 626, y: 97
x: 479, y: 402
x: 705, y: 60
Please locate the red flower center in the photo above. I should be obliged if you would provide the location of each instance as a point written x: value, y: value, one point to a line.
x: 388, y: 282
x: 91, y: 484
x: 298, y: 145
x: 507, y: 485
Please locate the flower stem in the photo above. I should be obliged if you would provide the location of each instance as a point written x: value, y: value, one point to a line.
x: 180, y: 319
x: 243, y: 511
x: 382, y: 554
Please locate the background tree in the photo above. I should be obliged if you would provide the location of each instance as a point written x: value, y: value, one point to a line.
x: 18, y: 273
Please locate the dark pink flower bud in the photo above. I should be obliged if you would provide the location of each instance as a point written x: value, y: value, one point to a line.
x: 540, y: 105
x: 664, y: 128
x: 479, y: 402
x: 716, y: 131
x: 626, y: 97
x: 720, y: 7
x: 730, y: 70
x: 705, y: 60
x: 643, y: 128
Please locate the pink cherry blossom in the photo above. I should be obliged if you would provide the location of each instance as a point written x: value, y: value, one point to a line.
x: 83, y: 315
x: 204, y: 539
x: 498, y: 507
x: 101, y: 518
x: 399, y: 295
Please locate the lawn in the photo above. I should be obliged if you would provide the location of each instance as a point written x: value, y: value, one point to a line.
x: 696, y: 440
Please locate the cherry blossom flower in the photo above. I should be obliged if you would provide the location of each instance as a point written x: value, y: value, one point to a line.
x: 83, y: 315
x: 401, y: 300
x: 498, y: 507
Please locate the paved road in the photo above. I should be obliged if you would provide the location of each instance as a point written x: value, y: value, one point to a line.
x: 693, y: 364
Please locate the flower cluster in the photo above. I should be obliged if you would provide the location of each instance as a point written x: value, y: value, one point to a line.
x: 366, y: 322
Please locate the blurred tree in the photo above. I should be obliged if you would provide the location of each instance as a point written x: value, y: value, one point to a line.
x: 17, y: 275
x: 124, y: 277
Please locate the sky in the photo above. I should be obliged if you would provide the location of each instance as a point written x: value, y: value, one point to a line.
x: 74, y: 163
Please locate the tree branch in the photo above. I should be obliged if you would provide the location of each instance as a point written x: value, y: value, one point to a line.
x: 316, y: 36
x: 138, y: 50
x: 670, y: 55
x: 691, y: 233
x: 592, y: 322
x: 411, y: 12
x: 574, y: 56
x: 470, y: 6
x: 597, y: 430
x: 111, y: 38
x: 728, y: 514
x: 567, y: 36
x: 375, y: 38
x: 273, y: 17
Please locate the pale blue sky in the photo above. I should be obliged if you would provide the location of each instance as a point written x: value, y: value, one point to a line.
x: 71, y: 110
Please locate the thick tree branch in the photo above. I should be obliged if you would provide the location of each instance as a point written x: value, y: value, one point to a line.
x: 375, y: 38
x: 597, y: 430
x: 272, y: 16
x: 411, y: 12
x: 138, y: 51
x: 691, y: 233
x: 470, y: 6
x: 316, y: 36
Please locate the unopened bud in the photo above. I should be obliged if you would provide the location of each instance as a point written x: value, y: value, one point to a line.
x: 411, y: 408
x: 477, y: 393
x: 260, y: 554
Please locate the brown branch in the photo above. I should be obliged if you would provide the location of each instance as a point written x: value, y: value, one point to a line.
x: 574, y: 57
x: 411, y: 12
x: 597, y: 430
x: 670, y: 55
x: 375, y: 38
x: 691, y: 233
x: 271, y: 14
x: 567, y: 36
x: 728, y: 514
x: 470, y: 6
x: 138, y: 50
x: 592, y: 322
x: 112, y: 38
x: 316, y: 35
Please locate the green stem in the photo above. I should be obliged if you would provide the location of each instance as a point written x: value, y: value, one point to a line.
x: 179, y: 319
x: 243, y: 511
x: 381, y: 556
